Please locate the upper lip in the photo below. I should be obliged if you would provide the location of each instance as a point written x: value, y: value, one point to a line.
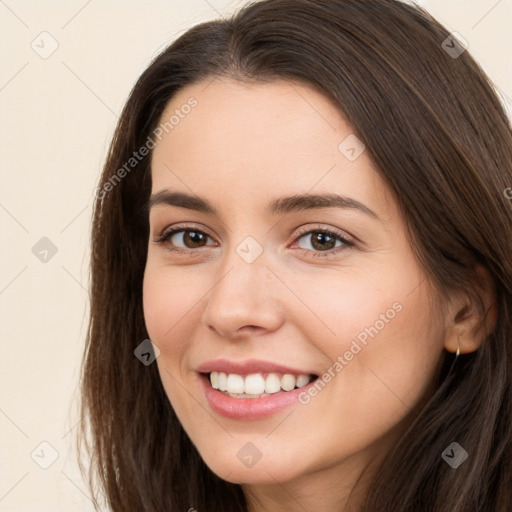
x: 247, y: 367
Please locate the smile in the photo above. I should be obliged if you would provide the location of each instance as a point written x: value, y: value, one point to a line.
x: 252, y: 389
x: 256, y: 385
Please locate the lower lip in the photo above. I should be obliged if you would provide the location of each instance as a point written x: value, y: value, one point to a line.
x: 249, y: 408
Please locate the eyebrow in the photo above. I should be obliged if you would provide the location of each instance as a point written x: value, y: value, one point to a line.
x: 281, y: 205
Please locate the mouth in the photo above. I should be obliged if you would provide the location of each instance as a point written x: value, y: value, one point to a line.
x: 256, y: 385
x: 252, y: 389
x: 253, y: 396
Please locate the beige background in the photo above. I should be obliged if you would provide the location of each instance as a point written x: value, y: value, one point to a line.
x: 57, y: 117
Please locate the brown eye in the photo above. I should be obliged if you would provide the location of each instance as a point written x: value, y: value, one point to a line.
x: 323, y: 242
x: 183, y: 239
x: 191, y: 239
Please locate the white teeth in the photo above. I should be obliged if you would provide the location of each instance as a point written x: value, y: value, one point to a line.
x: 255, y: 384
x: 272, y: 383
x: 223, y: 381
x: 288, y: 382
x: 235, y: 383
x: 302, y: 380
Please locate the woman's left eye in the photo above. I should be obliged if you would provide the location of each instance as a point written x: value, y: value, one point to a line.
x: 323, y: 241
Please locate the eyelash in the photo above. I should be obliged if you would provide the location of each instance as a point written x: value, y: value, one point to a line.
x: 164, y: 238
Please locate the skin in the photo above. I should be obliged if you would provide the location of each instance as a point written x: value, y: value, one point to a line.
x: 242, y: 145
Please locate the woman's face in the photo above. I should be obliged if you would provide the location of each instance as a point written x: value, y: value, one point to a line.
x: 259, y: 283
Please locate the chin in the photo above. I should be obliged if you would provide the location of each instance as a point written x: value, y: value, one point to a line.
x: 237, y: 467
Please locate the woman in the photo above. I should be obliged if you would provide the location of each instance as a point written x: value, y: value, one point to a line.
x: 301, y: 272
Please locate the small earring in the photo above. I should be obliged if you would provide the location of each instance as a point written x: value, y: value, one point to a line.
x: 457, y: 354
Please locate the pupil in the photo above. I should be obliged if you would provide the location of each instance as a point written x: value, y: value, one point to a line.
x: 194, y: 235
x: 322, y: 238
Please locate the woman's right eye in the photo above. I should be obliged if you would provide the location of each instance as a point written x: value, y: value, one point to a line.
x: 190, y: 238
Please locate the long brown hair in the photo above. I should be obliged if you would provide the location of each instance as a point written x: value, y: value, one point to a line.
x: 439, y: 136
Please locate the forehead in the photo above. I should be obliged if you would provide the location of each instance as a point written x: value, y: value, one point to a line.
x: 264, y: 138
x: 279, y: 116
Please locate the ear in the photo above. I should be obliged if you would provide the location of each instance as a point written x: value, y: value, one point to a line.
x: 467, y: 325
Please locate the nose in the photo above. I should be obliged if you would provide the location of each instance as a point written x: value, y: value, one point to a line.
x: 244, y: 300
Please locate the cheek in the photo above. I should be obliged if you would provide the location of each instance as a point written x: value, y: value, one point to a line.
x: 351, y: 308
x: 166, y: 307
x: 409, y: 352
x: 382, y: 309
x: 380, y: 379
x: 381, y: 332
x: 167, y: 311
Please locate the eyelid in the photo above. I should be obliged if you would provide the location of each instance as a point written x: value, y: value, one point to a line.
x: 167, y: 231
x: 334, y: 231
